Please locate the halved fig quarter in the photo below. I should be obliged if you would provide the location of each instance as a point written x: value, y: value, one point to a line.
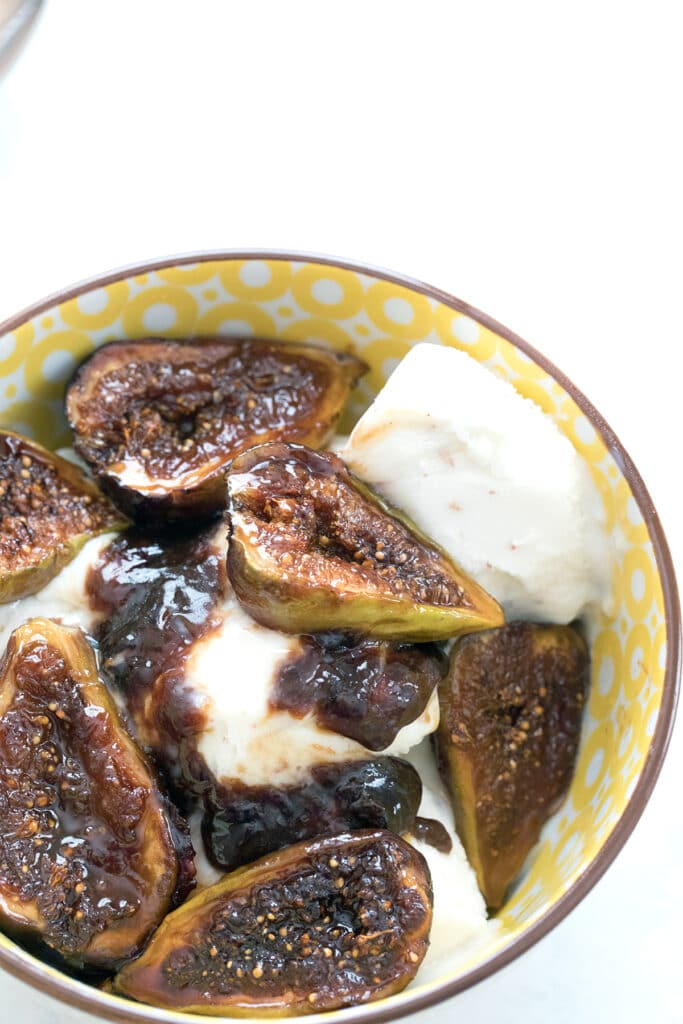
x: 48, y: 510
x: 511, y: 709
x: 242, y: 822
x: 365, y: 689
x: 158, y: 421
x: 89, y: 864
x: 312, y: 549
x: 320, y: 925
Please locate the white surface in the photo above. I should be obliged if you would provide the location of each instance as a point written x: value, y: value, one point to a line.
x: 492, y: 479
x: 524, y: 156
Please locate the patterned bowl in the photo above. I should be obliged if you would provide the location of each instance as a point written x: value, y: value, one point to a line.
x: 379, y: 316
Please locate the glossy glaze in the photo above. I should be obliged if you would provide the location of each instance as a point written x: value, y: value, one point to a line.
x: 88, y: 863
x: 365, y: 689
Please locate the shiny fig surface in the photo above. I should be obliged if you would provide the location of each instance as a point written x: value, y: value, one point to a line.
x: 321, y: 925
x: 48, y: 510
x: 156, y: 596
x: 91, y: 860
x: 365, y: 689
x: 158, y: 421
x: 243, y: 822
x: 312, y: 549
x: 511, y: 710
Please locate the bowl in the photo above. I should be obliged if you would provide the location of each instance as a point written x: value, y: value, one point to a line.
x: 379, y: 315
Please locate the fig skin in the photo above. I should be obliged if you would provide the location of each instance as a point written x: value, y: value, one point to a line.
x: 313, y: 550
x: 158, y: 420
x: 320, y: 925
x: 48, y: 510
x: 511, y: 710
x: 91, y: 858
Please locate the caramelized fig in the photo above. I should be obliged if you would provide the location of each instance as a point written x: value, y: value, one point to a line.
x: 312, y: 549
x: 330, y: 923
x: 367, y: 690
x: 88, y: 857
x: 511, y: 709
x: 246, y: 822
x: 158, y: 421
x: 48, y: 510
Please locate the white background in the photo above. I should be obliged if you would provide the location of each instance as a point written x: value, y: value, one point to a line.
x: 524, y: 156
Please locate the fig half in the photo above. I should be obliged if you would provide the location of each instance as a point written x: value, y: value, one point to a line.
x: 245, y: 822
x: 48, y: 510
x: 511, y: 709
x: 365, y: 689
x: 330, y: 923
x: 88, y: 859
x: 158, y: 421
x: 312, y: 549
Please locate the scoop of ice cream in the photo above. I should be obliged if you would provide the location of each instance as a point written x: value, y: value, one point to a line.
x: 490, y: 477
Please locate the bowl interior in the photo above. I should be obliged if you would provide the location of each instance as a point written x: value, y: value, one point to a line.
x: 380, y: 320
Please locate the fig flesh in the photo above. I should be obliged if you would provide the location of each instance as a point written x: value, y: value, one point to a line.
x: 48, y: 510
x: 89, y: 854
x: 158, y: 421
x: 365, y: 689
x: 312, y: 549
x: 511, y: 709
x: 321, y: 925
x: 243, y: 823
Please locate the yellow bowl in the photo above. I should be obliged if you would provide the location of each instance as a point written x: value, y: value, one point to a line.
x: 378, y: 315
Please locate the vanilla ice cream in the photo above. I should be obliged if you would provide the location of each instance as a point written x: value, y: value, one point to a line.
x: 490, y: 477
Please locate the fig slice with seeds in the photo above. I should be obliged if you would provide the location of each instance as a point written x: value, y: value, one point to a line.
x: 158, y: 421
x: 91, y: 859
x: 511, y: 709
x: 323, y: 924
x: 48, y: 510
x: 312, y: 549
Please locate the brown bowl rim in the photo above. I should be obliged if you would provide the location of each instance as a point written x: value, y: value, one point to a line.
x: 81, y: 996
